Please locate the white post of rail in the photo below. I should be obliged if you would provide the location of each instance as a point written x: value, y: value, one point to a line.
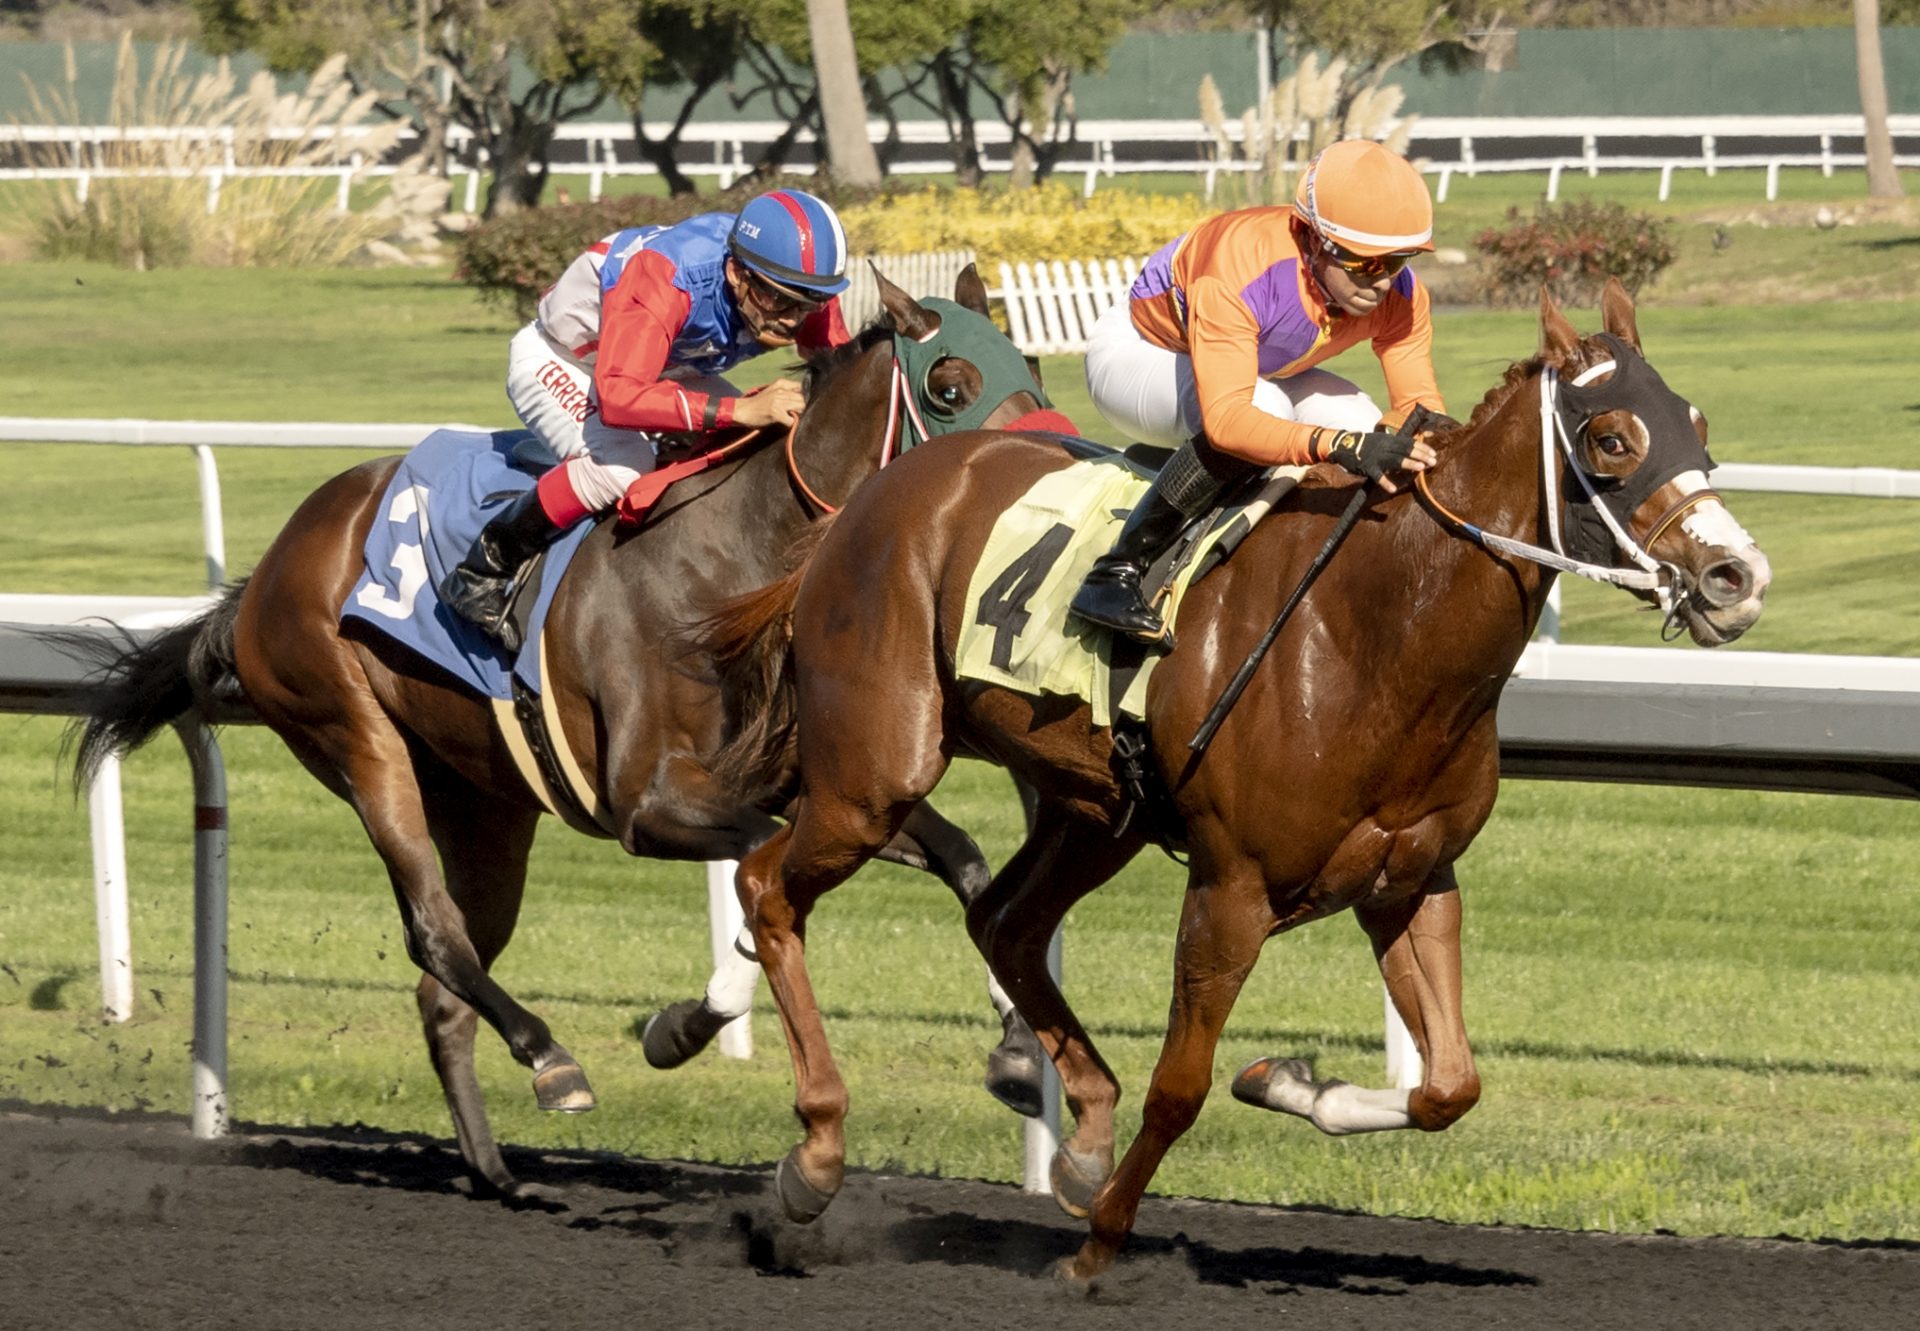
x: 210, y: 1113
x: 110, y: 892
x: 1403, y: 1055
x: 724, y: 921
x: 1043, y: 1133
x: 213, y: 528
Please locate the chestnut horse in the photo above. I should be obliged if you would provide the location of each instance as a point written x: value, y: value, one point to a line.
x: 1354, y: 772
x: 419, y: 756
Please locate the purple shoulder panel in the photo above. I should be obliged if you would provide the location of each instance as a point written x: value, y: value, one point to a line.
x: 1287, y: 330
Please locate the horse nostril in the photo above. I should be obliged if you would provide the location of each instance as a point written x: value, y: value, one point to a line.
x: 1727, y: 582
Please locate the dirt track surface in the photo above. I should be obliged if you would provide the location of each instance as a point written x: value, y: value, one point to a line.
x: 128, y: 1223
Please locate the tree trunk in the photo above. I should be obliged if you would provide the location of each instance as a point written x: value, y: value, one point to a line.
x: 519, y: 160
x: 850, y: 157
x: 966, y: 139
x: 1883, y: 178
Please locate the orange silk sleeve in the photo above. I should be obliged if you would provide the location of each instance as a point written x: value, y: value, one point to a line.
x: 1223, y: 338
x: 1405, y: 349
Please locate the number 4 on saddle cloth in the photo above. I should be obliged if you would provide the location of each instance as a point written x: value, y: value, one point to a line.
x: 444, y: 492
x: 1019, y: 633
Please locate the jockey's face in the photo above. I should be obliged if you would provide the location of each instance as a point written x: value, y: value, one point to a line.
x: 772, y: 313
x: 1355, y: 293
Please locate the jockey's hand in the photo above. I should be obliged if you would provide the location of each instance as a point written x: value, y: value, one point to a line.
x: 777, y: 403
x: 1375, y: 455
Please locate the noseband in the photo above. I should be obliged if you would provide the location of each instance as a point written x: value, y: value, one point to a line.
x: 1599, y: 515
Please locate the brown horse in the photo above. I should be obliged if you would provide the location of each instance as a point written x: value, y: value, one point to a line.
x: 423, y: 764
x: 1354, y: 772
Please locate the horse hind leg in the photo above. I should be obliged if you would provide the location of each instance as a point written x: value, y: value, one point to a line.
x: 483, y: 846
x: 326, y: 712
x: 1015, y: 1066
x: 780, y: 881
x: 1012, y: 923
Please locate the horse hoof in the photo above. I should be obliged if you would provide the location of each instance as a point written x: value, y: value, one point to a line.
x: 563, y: 1088
x: 802, y: 1202
x: 1283, y: 1084
x: 679, y: 1031
x: 1016, y: 1078
x: 1075, y: 1177
x: 1067, y: 1271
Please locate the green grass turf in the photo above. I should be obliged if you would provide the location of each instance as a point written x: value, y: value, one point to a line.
x: 1690, y: 1006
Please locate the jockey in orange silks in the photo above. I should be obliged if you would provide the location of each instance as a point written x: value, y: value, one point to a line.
x: 629, y: 345
x: 1213, y: 353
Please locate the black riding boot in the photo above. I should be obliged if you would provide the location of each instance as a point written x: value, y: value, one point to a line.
x: 481, y: 588
x: 1186, y: 487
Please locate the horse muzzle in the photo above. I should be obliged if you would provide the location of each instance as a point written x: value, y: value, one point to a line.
x: 1721, y: 598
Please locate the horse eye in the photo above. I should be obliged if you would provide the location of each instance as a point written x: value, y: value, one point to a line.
x: 950, y: 394
x: 1611, y: 444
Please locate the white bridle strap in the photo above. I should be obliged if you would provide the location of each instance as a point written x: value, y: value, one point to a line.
x: 900, y: 404
x: 1651, y: 577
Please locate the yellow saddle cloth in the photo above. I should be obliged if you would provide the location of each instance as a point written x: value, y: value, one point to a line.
x: 1019, y: 634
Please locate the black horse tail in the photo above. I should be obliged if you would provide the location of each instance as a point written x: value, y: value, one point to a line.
x: 750, y: 641
x: 143, y: 686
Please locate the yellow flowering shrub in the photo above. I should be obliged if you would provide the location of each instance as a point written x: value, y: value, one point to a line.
x: 1050, y: 222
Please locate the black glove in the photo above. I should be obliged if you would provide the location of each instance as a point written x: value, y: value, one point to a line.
x: 1372, y: 454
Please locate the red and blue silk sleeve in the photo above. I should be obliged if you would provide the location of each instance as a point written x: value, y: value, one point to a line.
x: 639, y: 319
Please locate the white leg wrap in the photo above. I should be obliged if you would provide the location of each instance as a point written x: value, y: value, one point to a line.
x: 1343, y: 1108
x: 1001, y: 1003
x: 730, y: 991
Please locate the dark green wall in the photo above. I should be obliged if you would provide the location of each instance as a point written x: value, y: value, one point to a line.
x: 1629, y: 71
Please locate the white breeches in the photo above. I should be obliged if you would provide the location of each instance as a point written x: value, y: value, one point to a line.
x: 1147, y: 392
x: 553, y: 395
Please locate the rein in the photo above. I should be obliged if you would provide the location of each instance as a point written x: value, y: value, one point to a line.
x: 1659, y: 578
x: 902, y: 412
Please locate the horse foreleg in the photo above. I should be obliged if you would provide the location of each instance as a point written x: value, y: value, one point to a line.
x: 1417, y: 943
x: 928, y: 841
x: 1013, y: 923
x: 1221, y: 931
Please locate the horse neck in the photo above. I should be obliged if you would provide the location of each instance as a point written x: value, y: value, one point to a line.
x: 841, y: 436
x: 1490, y: 476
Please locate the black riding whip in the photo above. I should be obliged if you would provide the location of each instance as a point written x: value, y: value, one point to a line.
x: 1238, y: 684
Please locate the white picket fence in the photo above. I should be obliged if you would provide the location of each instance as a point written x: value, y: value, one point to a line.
x: 1053, y: 305
x: 928, y: 273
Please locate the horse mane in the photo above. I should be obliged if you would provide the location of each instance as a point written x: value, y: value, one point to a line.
x: 818, y: 371
x: 1517, y: 374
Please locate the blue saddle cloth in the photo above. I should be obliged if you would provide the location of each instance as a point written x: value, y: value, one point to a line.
x: 445, y: 491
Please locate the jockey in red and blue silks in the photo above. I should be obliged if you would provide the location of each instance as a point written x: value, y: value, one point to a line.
x: 628, y: 346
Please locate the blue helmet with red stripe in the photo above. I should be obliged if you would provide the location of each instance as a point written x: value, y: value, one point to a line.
x: 794, y: 239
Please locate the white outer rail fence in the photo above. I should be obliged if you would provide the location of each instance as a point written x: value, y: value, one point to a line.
x: 1865, y: 735
x: 1479, y: 145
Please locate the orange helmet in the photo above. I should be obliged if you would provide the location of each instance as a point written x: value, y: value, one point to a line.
x: 1366, y: 198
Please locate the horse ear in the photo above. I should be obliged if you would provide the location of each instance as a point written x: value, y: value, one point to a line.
x: 1033, y: 367
x: 1616, y: 313
x: 1557, y: 337
x: 969, y: 291
x: 909, y: 317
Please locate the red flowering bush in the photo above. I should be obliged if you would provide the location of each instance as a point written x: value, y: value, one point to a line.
x: 1573, y: 248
